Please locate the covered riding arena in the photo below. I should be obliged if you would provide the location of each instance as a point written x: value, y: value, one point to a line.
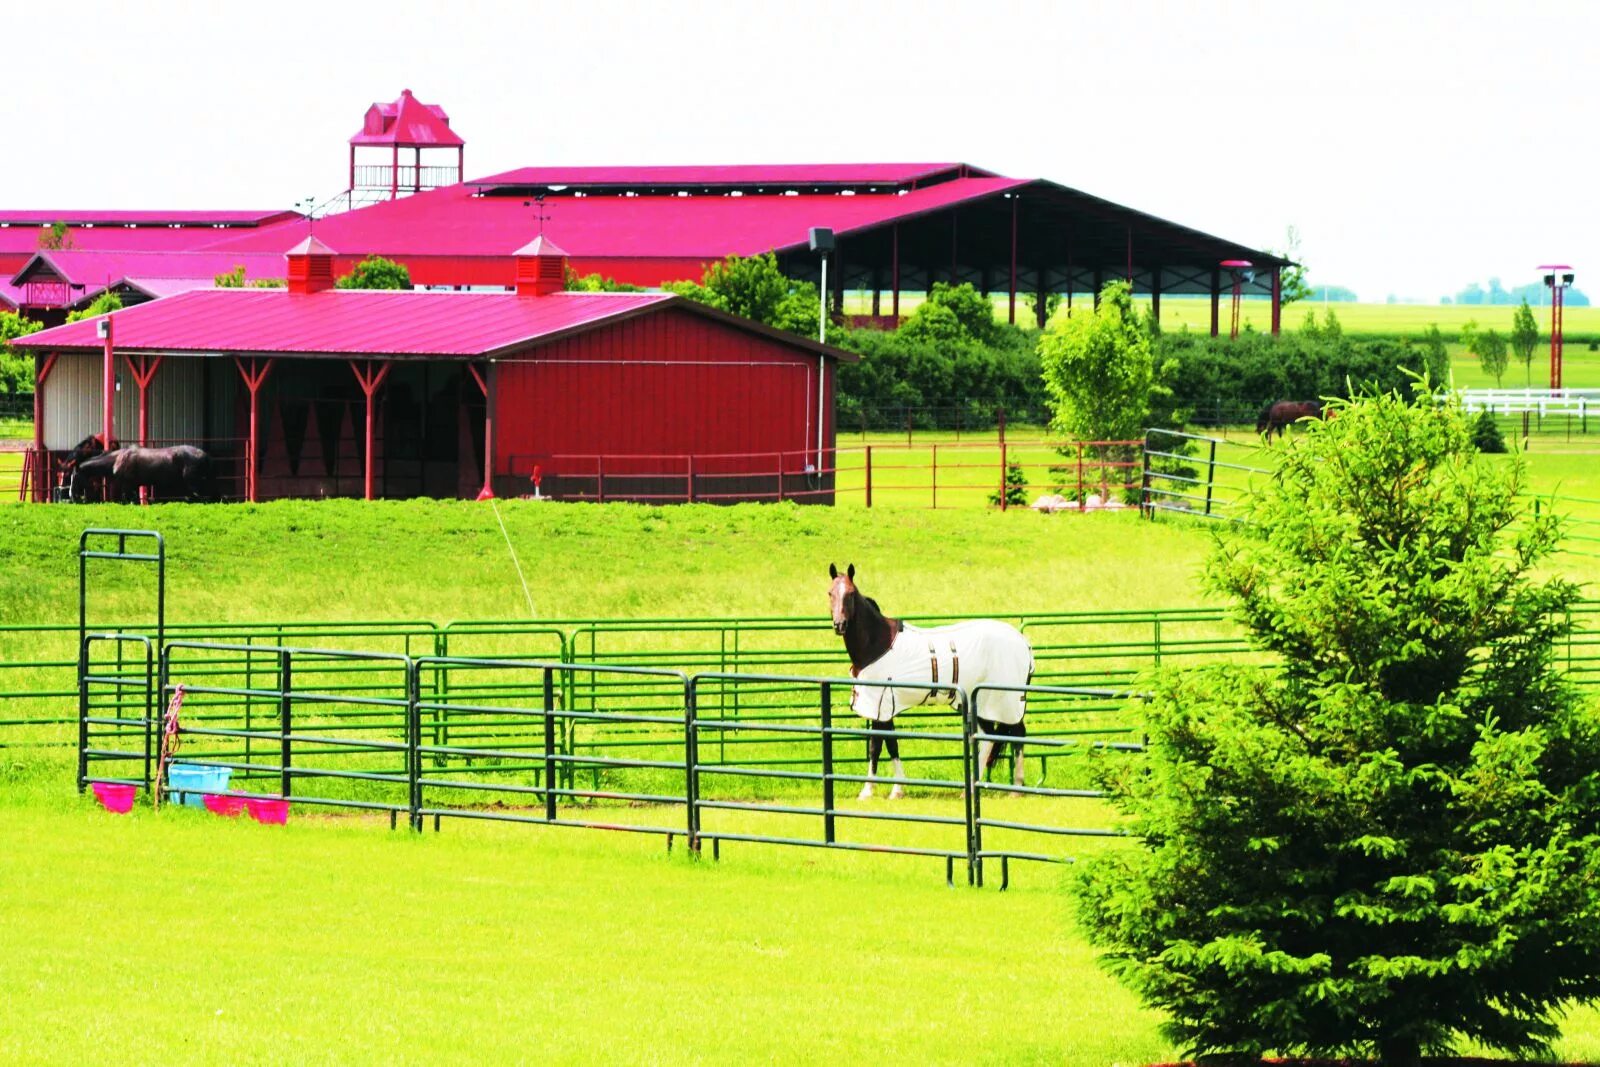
x: 315, y: 391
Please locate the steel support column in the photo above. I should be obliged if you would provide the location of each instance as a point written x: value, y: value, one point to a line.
x: 1012, y: 314
x: 254, y: 375
x: 1155, y: 296
x: 1216, y: 298
x: 894, y: 272
x: 486, y: 382
x: 370, y: 378
x: 41, y: 459
x: 108, y: 389
x: 394, y: 174
x: 143, y: 371
x: 1277, y: 300
x: 1040, y: 314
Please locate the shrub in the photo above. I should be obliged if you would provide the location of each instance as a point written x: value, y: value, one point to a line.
x: 1486, y: 436
x: 1387, y: 840
x: 375, y: 272
x: 1016, y: 494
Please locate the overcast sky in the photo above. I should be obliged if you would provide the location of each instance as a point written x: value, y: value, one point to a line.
x: 1416, y: 147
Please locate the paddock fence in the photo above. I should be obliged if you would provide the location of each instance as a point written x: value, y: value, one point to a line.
x: 705, y: 758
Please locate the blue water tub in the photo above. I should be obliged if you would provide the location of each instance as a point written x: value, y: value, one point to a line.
x: 188, y: 784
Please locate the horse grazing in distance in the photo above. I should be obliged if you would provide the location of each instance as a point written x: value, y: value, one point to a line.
x: 890, y: 650
x: 1276, y: 417
x: 181, y: 471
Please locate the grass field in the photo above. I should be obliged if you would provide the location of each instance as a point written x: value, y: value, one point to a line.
x: 183, y: 936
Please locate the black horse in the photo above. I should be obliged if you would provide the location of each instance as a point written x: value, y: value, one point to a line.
x: 1276, y: 417
x: 181, y: 471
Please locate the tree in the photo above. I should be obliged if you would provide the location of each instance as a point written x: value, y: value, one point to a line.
x: 1385, y: 840
x: 1292, y: 283
x: 970, y: 311
x: 1524, y: 337
x: 1489, y: 347
x: 755, y: 288
x: 375, y: 272
x: 56, y: 238
x: 1436, y: 356
x: 16, y: 368
x: 597, y: 283
x: 103, y: 304
x: 1098, y: 370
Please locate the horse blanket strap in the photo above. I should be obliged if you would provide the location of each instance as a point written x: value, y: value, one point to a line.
x: 994, y: 652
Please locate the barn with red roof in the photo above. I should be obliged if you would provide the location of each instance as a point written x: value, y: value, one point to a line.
x: 317, y: 391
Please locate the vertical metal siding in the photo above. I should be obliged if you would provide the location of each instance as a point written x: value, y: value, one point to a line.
x: 177, y: 401
x: 689, y: 386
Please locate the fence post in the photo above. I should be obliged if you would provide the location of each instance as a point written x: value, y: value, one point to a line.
x: 969, y: 761
x: 1211, y: 474
x: 691, y: 766
x: 869, y: 476
x: 691, y: 479
x: 1081, y: 500
x: 908, y: 427
x: 83, y: 715
x: 549, y: 744
x: 935, y: 473
x: 780, y: 476
x: 285, y: 720
x: 827, y: 762
x: 600, y: 479
x: 414, y: 741
x: 1004, y: 496
x: 1145, y: 506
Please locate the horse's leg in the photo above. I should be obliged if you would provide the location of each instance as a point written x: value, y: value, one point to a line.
x: 874, y: 746
x: 893, y: 744
x: 1019, y: 731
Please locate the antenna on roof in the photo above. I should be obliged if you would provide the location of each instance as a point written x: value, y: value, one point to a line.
x: 310, y: 212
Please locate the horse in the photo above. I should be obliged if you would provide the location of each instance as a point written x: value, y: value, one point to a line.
x: 181, y: 470
x: 1278, y: 415
x: 891, y: 650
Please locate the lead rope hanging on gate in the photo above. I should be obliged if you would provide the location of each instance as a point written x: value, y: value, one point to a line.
x: 169, y: 742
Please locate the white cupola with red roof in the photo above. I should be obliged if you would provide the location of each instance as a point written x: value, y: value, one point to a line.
x: 541, y: 268
x: 410, y: 124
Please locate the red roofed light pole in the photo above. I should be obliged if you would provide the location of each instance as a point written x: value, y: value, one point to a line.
x: 1240, y: 269
x: 1557, y: 277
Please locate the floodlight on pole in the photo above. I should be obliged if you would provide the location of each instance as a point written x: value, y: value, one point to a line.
x: 1557, y: 278
x: 1241, y: 272
x: 820, y: 239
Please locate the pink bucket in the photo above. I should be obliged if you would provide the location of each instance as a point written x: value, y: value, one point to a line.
x: 114, y: 798
x: 271, y: 812
x: 218, y: 804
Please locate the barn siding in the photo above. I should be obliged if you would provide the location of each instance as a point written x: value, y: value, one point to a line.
x: 659, y: 387
x: 177, y: 401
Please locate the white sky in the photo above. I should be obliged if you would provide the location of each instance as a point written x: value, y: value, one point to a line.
x: 1417, y: 147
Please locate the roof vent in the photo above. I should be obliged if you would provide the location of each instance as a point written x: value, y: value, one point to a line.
x: 310, y: 266
x: 541, y: 268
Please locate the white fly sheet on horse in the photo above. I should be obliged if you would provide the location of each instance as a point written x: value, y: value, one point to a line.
x: 963, y: 654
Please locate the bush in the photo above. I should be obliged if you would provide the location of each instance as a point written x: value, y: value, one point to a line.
x: 1386, y: 840
x: 375, y: 272
x: 1016, y: 494
x: 16, y: 367
x: 1486, y: 435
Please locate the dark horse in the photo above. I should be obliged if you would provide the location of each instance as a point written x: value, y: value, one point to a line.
x: 966, y: 654
x: 1276, y: 417
x: 179, y: 471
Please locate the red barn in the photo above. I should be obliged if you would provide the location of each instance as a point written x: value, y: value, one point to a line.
x: 316, y: 391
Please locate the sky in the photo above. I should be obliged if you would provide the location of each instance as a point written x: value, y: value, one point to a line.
x: 1415, y: 147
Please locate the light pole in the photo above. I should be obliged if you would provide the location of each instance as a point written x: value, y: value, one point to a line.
x: 1557, y: 278
x: 1240, y: 269
x: 821, y: 241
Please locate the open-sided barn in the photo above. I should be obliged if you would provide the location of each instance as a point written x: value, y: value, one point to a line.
x: 317, y: 391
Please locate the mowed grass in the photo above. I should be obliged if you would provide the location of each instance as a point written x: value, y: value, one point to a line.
x: 182, y: 937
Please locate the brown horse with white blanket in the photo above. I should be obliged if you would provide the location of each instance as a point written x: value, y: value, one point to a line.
x: 966, y: 654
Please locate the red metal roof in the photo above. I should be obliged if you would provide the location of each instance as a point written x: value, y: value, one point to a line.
x: 409, y: 123
x: 378, y: 322
x: 777, y: 174
x: 144, y: 218
x: 24, y: 240
x: 102, y: 268
x: 454, y: 222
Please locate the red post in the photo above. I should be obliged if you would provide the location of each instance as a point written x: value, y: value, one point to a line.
x: 935, y: 471
x: 894, y: 270
x: 487, y: 492
x: 690, y: 479
x: 780, y: 475
x: 41, y: 459
x: 600, y: 479
x: 1002, y: 472
x: 108, y: 389
x: 869, y: 476
x: 143, y: 373
x: 370, y: 380
x: 253, y: 377
x: 394, y: 175
x: 1216, y: 299
x: 352, y: 167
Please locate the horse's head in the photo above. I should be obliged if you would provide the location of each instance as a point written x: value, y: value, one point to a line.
x: 1264, y: 419
x: 843, y: 596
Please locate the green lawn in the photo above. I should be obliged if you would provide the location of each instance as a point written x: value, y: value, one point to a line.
x: 187, y: 938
